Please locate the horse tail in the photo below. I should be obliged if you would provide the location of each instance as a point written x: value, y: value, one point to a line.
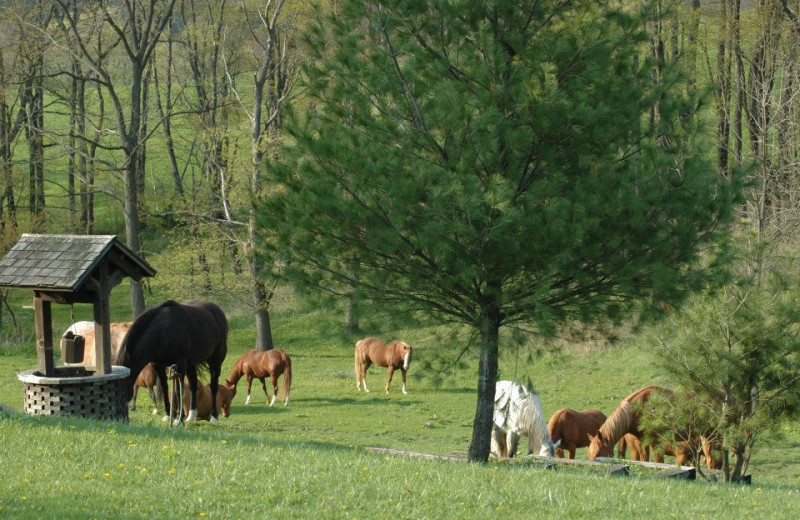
x: 358, y: 362
x: 287, y: 378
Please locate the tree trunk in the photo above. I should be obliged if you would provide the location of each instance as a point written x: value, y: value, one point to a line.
x: 166, y: 119
x: 723, y: 92
x: 487, y: 379
x: 261, y: 300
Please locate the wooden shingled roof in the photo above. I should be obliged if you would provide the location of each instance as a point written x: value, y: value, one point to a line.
x: 57, y: 264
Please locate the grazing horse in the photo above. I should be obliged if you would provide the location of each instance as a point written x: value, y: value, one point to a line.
x: 224, y: 398
x: 86, y: 329
x: 572, y: 429
x: 393, y: 355
x: 148, y: 379
x: 624, y: 419
x: 190, y: 335
x: 260, y: 364
x: 517, y: 411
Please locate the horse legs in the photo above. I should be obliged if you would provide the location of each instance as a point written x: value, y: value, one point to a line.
x: 512, y: 440
x: 263, y: 381
x: 154, y: 398
x: 274, y: 377
x: 404, y: 371
x: 249, y: 378
x: 161, y: 375
x: 192, y: 375
x: 133, y: 399
x: 498, y: 447
x: 389, y: 377
x: 364, y: 381
x: 214, y: 373
x: 363, y: 374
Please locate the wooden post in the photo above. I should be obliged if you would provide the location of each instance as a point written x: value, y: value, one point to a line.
x: 102, y: 322
x: 44, y: 335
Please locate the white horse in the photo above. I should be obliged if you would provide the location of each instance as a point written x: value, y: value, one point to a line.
x: 517, y: 411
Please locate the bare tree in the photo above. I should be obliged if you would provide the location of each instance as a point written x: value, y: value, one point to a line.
x: 137, y: 26
x: 271, y: 87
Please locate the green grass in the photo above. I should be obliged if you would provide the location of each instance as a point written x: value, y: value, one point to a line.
x: 309, y: 459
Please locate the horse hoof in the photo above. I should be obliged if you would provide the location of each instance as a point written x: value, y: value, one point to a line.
x: 192, y: 416
x: 165, y: 418
x: 155, y: 412
x: 214, y: 420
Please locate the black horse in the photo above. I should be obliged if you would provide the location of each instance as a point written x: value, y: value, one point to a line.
x: 190, y: 335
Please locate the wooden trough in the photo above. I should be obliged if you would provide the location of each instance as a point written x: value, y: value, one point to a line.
x: 606, y: 465
x: 71, y: 269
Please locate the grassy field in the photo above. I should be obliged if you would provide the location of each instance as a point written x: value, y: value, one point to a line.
x: 310, y: 459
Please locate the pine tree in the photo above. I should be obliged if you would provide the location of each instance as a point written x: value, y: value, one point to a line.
x: 494, y: 164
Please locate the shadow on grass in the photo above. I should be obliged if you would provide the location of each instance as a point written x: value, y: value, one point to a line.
x: 365, y: 401
x: 158, y: 431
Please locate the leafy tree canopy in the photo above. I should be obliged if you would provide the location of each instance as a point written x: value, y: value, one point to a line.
x: 493, y: 163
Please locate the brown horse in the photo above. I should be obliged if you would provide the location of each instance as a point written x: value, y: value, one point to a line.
x: 683, y: 453
x: 393, y: 355
x: 625, y: 419
x: 224, y: 398
x: 86, y: 329
x: 260, y: 364
x: 148, y: 379
x: 573, y: 428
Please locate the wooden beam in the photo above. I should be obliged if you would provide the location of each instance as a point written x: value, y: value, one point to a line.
x: 102, y: 321
x: 44, y: 335
x: 419, y: 454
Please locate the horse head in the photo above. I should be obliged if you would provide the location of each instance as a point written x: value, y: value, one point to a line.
x: 231, y: 388
x: 548, y: 448
x: 225, y: 395
x: 599, y: 446
x: 405, y: 353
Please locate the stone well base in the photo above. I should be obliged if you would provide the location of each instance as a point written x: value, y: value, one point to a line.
x: 76, y: 391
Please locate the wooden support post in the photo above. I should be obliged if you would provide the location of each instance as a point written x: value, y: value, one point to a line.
x: 44, y: 335
x: 102, y: 322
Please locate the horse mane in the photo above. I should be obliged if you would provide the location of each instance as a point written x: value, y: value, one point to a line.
x: 532, y: 421
x: 237, y: 371
x: 618, y: 423
x: 529, y: 417
x: 622, y: 420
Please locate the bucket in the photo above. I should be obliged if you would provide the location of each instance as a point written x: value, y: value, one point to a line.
x: 72, y: 348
